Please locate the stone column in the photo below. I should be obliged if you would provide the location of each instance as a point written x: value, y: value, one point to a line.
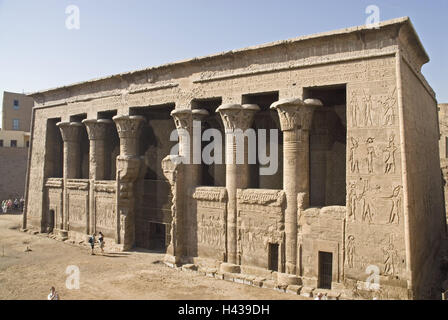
x: 198, y: 115
x: 188, y: 174
x: 97, y: 131
x: 295, y: 122
x: 129, y: 166
x: 234, y: 117
x: 71, y: 136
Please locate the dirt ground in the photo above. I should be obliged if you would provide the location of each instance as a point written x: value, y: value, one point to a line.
x: 130, y: 275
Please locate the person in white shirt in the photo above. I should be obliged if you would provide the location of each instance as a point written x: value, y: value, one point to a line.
x: 53, y: 294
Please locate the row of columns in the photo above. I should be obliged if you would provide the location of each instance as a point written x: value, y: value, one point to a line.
x: 295, y: 120
x: 128, y: 128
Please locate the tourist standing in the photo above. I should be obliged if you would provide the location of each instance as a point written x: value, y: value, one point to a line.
x: 53, y: 294
x: 92, y: 243
x: 101, y: 241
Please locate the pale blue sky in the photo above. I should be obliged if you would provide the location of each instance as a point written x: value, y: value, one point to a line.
x: 38, y: 52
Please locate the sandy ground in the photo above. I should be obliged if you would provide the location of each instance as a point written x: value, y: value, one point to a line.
x: 133, y: 275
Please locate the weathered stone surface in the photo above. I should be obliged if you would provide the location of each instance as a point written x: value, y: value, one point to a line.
x: 358, y: 190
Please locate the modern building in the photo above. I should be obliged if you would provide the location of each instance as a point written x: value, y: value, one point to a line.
x: 14, y: 143
x: 357, y: 193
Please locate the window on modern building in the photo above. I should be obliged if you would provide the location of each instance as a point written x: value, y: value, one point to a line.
x: 15, y: 124
x: 16, y: 104
x: 13, y: 143
x: 1, y: 143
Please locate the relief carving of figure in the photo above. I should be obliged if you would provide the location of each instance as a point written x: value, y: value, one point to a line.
x: 388, y: 106
x: 395, y: 209
x: 390, y: 258
x: 354, y: 161
x: 367, y: 99
x: 350, y: 251
x: 352, y: 199
x: 367, y: 201
x: 355, y: 109
x: 370, y: 154
x: 389, y: 155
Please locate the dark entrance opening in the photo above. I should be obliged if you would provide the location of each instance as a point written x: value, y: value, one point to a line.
x: 328, y: 146
x: 325, y: 269
x: 157, y: 236
x: 50, y: 221
x: 273, y: 257
x: 266, y: 119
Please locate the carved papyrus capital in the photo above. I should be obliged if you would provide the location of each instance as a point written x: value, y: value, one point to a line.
x: 295, y: 113
x: 70, y: 131
x: 97, y: 129
x: 183, y: 119
x: 236, y: 116
x: 128, y: 127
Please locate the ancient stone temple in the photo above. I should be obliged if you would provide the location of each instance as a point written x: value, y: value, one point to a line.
x: 356, y: 200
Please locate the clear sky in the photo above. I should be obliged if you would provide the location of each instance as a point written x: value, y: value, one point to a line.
x: 38, y: 52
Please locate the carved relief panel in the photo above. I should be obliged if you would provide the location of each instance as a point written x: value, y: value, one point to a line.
x: 211, y: 222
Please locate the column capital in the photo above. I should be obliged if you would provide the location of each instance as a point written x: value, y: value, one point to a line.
x: 70, y: 131
x: 128, y: 126
x: 97, y: 128
x: 236, y: 116
x: 183, y: 118
x: 295, y: 113
x: 199, y: 114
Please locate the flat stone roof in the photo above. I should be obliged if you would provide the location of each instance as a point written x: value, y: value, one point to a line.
x: 344, y: 31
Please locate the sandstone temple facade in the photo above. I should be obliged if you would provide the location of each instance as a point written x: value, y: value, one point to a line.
x: 357, y: 196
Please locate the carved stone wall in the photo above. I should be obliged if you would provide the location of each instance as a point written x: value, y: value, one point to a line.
x: 426, y: 214
x: 105, y: 217
x: 322, y: 230
x: 78, y: 205
x: 53, y: 203
x: 210, y: 224
x: 394, y: 206
x: 260, y: 223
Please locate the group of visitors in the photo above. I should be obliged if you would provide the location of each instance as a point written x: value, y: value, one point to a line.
x: 12, y: 205
x: 100, y: 242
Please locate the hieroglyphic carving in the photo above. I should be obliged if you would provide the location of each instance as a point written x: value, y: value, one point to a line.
x: 370, y: 154
x: 362, y: 199
x: 369, y: 110
x: 262, y: 197
x: 105, y: 212
x: 105, y: 186
x: 390, y: 258
x: 354, y: 157
x: 395, y: 198
x: 389, y: 155
x: 171, y: 169
x: 210, y: 194
x: 78, y: 205
x: 350, y: 251
x: 211, y: 228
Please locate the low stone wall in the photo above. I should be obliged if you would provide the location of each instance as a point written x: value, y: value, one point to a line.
x: 13, y: 163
